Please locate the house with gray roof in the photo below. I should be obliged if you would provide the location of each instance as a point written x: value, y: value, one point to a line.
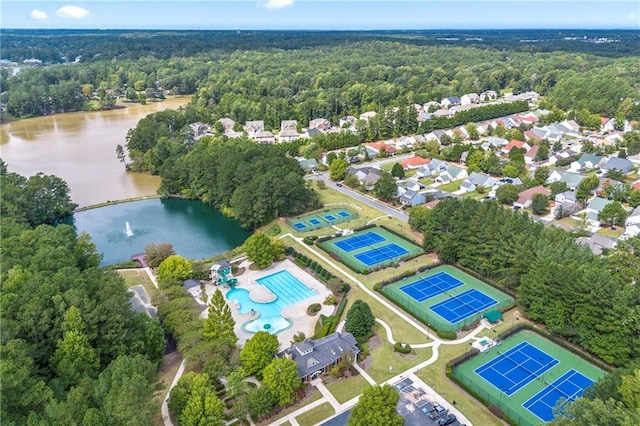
x: 450, y: 101
x: 477, y: 179
x: 571, y: 179
x: 412, y: 198
x: 452, y: 173
x: 253, y: 127
x: 493, y: 142
x: 597, y: 243
x: 314, y: 358
x: 367, y: 175
x: 594, y: 207
x: 585, y: 162
x: 616, y: 163
x: 308, y: 164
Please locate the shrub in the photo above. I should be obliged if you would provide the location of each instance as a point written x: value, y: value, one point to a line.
x: 314, y: 308
x: 345, y: 288
x: 308, y: 241
x: 365, y: 272
x: 449, y: 335
x: 289, y: 250
x: 331, y: 300
x: 340, y: 310
x: 313, y: 265
x: 403, y: 349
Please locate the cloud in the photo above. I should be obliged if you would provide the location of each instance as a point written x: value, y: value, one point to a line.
x: 277, y: 4
x: 74, y: 12
x: 38, y: 15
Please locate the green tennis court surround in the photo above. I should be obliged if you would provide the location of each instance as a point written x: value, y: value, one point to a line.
x: 322, y: 219
x: 534, y: 372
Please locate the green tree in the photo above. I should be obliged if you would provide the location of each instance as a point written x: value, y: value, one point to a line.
x: 586, y: 186
x: 174, y: 268
x: 203, y: 408
x: 281, y: 377
x: 263, y: 250
x: 155, y: 253
x: 613, y: 214
x: 74, y: 357
x: 541, y: 174
x: 260, y: 401
x: 585, y: 411
x: 397, y: 171
x: 236, y: 385
x: 331, y: 157
x: 634, y: 198
x: 543, y: 153
x: 352, y: 181
x: 219, y: 323
x: 385, y: 188
x: 338, y: 169
x: 539, y: 203
x: 359, y: 320
x: 558, y: 187
x: 507, y: 194
x: 121, y: 155
x: 182, y: 391
x: 258, y: 352
x: 377, y: 407
x: 418, y: 217
x: 510, y: 171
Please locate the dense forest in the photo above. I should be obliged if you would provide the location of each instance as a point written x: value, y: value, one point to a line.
x: 589, y: 300
x: 311, y: 75
x: 72, y: 350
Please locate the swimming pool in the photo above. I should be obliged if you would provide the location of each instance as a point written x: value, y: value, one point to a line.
x: 288, y: 290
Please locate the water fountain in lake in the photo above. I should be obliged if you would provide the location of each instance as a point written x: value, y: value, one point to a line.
x: 128, y: 230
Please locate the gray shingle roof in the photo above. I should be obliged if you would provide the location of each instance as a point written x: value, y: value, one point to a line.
x: 313, y: 355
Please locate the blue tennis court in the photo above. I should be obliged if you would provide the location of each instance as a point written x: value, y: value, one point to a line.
x: 380, y: 254
x: 330, y: 217
x: 314, y: 221
x: 426, y: 288
x: 462, y: 306
x: 570, y: 386
x: 343, y: 213
x: 513, y: 369
x: 299, y: 225
x: 359, y: 241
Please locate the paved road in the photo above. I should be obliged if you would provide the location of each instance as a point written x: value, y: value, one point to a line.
x: 370, y: 201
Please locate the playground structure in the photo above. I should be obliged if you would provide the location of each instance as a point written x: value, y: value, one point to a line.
x: 221, y: 274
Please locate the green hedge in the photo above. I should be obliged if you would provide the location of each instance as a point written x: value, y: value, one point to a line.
x: 403, y: 349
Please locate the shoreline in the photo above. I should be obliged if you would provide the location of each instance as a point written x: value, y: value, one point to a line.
x: 114, y: 202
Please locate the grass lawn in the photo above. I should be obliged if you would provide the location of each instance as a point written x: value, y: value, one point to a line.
x: 384, y: 357
x: 451, y: 186
x: 314, y: 397
x: 136, y: 277
x: 568, y: 222
x: 473, y: 194
x: 612, y: 233
x: 345, y: 389
x: 434, y: 376
x: 315, y: 415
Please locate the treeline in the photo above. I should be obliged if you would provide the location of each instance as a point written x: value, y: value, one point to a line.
x: 72, y: 350
x: 589, y: 300
x: 474, y: 115
x: 330, y: 79
x: 253, y: 183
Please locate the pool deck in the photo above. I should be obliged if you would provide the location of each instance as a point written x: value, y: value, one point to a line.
x: 297, y: 312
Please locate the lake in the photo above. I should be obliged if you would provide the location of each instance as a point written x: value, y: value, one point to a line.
x: 196, y: 230
x: 80, y: 147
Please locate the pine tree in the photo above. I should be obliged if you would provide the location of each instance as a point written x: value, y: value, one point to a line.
x: 220, y: 323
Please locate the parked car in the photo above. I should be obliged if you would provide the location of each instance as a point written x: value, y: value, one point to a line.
x: 338, y: 184
x: 447, y: 420
x: 437, y: 412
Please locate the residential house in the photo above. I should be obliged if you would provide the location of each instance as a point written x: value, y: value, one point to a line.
x: 264, y: 136
x: 431, y: 105
x: 635, y: 159
x: 435, y: 167
x: 613, y: 138
x: 444, y: 113
x: 493, y: 142
x: 488, y: 95
x: 531, y: 154
x: 366, y: 116
x: 450, y: 101
x: 308, y: 164
x: 288, y: 131
x: 373, y: 148
x: 585, y: 162
x: 469, y: 98
x: 408, y: 185
x: 451, y: 174
x: 634, y: 217
x: 253, y: 127
x: 314, y: 358
x: 515, y: 144
x: 597, y: 243
x: 567, y: 203
x: 198, y: 130
x: 571, y: 179
x: 435, y: 135
x: 414, y: 162
x: 220, y: 272
x: 348, y: 121
x: 367, y: 175
x: 594, y: 207
x: 311, y: 132
x: 475, y: 179
x: 321, y: 124
x: 527, y: 118
x: 608, y: 124
x: 227, y: 123
x: 534, y: 135
x: 615, y: 163
x: 526, y: 197
x: 412, y: 198
x: 406, y: 142
x: 563, y: 154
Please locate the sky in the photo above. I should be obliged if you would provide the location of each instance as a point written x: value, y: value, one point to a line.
x: 321, y: 14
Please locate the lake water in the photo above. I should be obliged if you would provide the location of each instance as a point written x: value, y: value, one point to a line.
x: 196, y: 230
x: 81, y: 148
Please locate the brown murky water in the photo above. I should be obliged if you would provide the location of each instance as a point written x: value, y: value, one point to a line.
x: 81, y: 148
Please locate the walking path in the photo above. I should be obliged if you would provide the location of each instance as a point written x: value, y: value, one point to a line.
x: 165, y: 408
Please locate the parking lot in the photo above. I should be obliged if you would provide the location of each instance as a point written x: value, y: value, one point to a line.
x: 417, y: 408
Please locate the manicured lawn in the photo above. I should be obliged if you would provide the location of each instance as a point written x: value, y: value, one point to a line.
x: 316, y: 396
x: 384, y: 357
x: 434, y: 376
x: 316, y: 414
x: 451, y: 186
x: 475, y: 195
x: 134, y: 277
x: 345, y: 389
x: 568, y: 222
x: 613, y: 233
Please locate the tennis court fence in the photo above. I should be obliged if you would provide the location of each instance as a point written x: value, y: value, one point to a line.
x: 360, y: 267
x: 418, y: 310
